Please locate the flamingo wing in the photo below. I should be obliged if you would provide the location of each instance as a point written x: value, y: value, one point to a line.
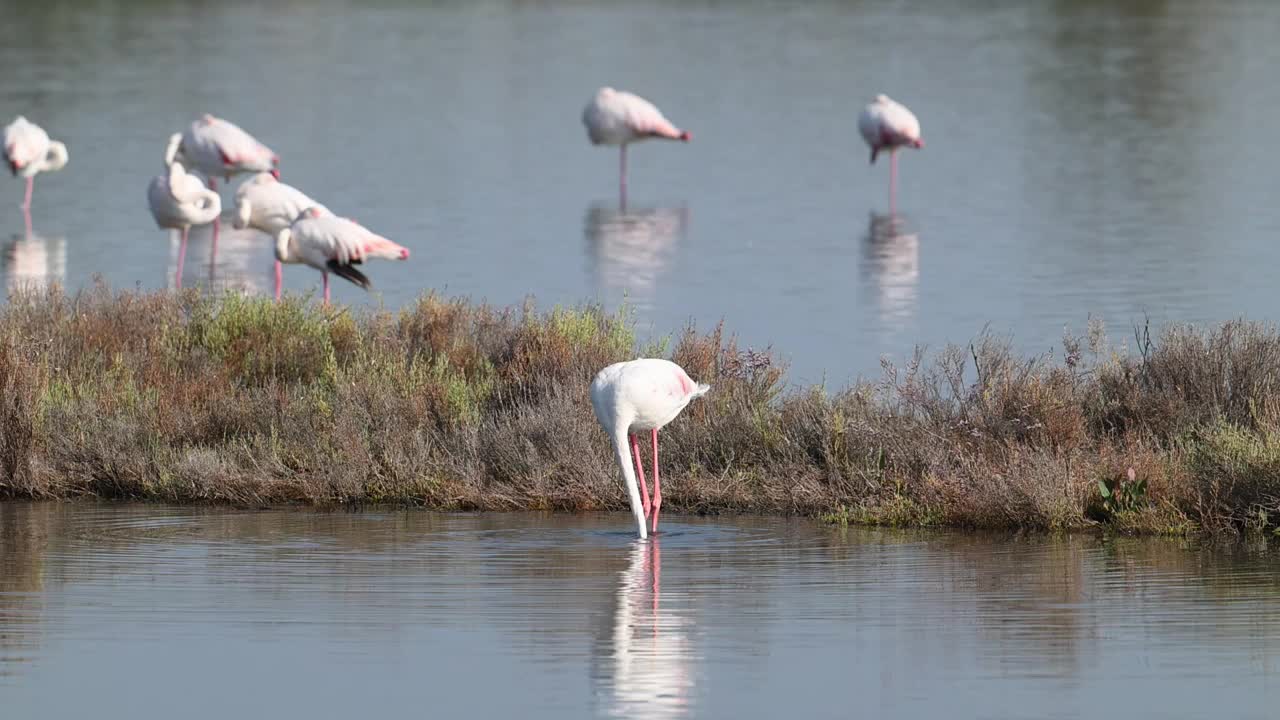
x: 24, y: 143
x: 643, y: 117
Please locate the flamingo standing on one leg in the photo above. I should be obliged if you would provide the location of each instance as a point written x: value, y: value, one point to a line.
x: 889, y: 125
x: 28, y: 150
x: 634, y: 396
x: 264, y: 203
x: 620, y: 118
x: 213, y: 146
x: 179, y: 200
x: 333, y: 244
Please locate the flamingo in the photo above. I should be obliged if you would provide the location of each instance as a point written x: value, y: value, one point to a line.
x: 264, y: 203
x: 213, y: 146
x: 888, y: 125
x: 333, y: 244
x: 179, y: 200
x: 28, y: 150
x: 639, y: 395
x: 620, y: 118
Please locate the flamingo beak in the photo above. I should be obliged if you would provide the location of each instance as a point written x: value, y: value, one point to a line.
x: 919, y: 143
x: 275, y: 173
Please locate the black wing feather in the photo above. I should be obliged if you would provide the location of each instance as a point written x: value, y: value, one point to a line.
x: 348, y: 272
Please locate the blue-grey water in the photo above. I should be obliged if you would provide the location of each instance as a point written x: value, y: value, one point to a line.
x: 1083, y: 158
x: 157, y: 612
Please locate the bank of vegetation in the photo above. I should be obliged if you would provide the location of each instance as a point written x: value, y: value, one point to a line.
x: 453, y: 405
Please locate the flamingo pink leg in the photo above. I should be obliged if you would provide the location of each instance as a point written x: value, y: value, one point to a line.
x: 644, y: 489
x: 279, y: 279
x: 217, y: 222
x: 26, y: 221
x: 325, y: 275
x: 893, y: 180
x: 657, y: 485
x: 622, y: 177
x: 26, y: 199
x: 182, y: 257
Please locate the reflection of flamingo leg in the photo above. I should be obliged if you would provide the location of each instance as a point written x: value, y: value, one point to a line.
x: 622, y: 178
x: 893, y: 180
x: 644, y: 490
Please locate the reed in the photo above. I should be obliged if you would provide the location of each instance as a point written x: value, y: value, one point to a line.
x: 454, y: 405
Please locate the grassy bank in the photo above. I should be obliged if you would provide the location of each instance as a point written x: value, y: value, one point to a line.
x: 453, y: 405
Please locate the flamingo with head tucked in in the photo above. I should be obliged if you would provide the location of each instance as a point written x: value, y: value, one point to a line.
x: 213, y: 146
x: 634, y: 396
x: 620, y: 118
x: 179, y: 200
x: 29, y: 151
x: 888, y: 125
x: 264, y: 203
x: 332, y: 244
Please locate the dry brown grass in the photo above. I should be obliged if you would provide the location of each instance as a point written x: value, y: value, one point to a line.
x: 453, y: 405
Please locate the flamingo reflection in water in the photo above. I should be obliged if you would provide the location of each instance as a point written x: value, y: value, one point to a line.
x: 630, y: 250
x: 33, y: 262
x: 650, y: 674
x: 893, y: 263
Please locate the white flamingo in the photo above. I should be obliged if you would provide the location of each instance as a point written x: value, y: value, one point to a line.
x: 179, y: 200
x: 333, y: 244
x: 213, y: 146
x: 266, y: 204
x: 888, y: 125
x: 620, y: 118
x: 630, y: 397
x: 28, y: 150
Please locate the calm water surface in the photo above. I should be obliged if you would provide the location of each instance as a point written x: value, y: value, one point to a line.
x: 151, y: 612
x: 1084, y: 157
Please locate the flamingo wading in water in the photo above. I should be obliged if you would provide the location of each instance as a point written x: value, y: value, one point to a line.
x: 333, y: 244
x: 28, y: 150
x: 179, y: 200
x: 888, y: 125
x: 213, y: 146
x: 619, y: 118
x: 631, y: 397
x: 264, y: 203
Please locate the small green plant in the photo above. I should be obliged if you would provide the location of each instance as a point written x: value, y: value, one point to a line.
x: 1120, y: 496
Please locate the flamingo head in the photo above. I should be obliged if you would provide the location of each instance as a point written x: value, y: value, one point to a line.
x: 404, y: 253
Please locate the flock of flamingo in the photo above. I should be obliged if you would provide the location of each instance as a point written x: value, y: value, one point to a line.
x: 628, y: 397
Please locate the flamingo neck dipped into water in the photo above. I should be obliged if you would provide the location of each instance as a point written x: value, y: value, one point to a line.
x: 630, y: 398
x: 620, y: 118
x: 887, y: 125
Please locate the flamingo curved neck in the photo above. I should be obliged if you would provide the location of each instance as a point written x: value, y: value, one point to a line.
x: 171, y: 150
x: 282, y: 246
x: 244, y: 212
x: 57, y: 156
x: 622, y: 449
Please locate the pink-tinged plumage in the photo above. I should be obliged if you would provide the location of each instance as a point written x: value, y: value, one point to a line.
x: 266, y: 204
x: 332, y: 244
x: 216, y: 147
x: 629, y: 397
x: 614, y: 117
x: 887, y: 125
x: 179, y: 200
x: 29, y: 151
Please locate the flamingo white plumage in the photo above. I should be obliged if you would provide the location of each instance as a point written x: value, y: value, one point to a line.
x: 213, y: 146
x: 888, y: 125
x: 634, y: 396
x: 28, y: 151
x: 264, y: 203
x: 620, y: 118
x: 179, y: 200
x: 333, y: 244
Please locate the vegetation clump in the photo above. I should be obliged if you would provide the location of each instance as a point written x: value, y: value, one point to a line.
x: 454, y: 405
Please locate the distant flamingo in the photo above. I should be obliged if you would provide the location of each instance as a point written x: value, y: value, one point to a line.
x: 889, y: 125
x: 179, y: 200
x: 620, y: 118
x: 213, y: 146
x: 264, y: 203
x: 333, y: 244
x: 639, y: 395
x: 28, y: 150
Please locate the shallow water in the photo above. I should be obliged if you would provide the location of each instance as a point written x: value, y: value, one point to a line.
x: 1083, y: 158
x: 152, y: 611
